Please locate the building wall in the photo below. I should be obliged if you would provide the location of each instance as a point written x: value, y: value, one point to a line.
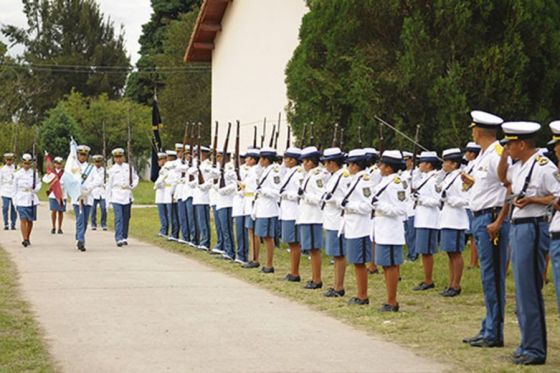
x: 251, y: 52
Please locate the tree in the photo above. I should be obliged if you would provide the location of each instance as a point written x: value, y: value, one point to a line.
x: 427, y: 62
x: 56, y: 131
x: 65, y: 33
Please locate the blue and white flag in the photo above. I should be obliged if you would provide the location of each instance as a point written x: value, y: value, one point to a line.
x: 72, y: 178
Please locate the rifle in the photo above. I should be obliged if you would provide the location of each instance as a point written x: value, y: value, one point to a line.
x: 263, y: 133
x: 360, y: 144
x: 333, y: 145
x: 223, y: 162
x: 414, y: 151
x: 312, y: 132
x: 215, y: 146
x: 342, y: 138
x: 185, y: 141
x: 383, y: 122
x: 254, y: 137
x: 278, y: 131
x: 271, y: 143
x: 237, y: 162
x: 381, y: 139
x: 199, y: 156
x: 129, y: 147
x: 288, y: 140
x: 191, y: 146
x: 104, y: 154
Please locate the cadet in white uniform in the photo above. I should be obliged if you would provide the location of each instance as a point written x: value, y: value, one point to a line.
x: 406, y: 177
x: 289, y: 209
x: 265, y: 209
x: 203, y: 176
x: 238, y: 214
x: 99, y: 196
x: 454, y: 220
x: 182, y: 194
x: 471, y: 152
x: 310, y: 218
x: 534, y: 185
x: 249, y: 187
x: 82, y: 206
x: 555, y: 220
x: 226, y: 189
x: 426, y: 220
x: 26, y: 184
x: 333, y: 159
x: 7, y: 191
x: 357, y: 224
x: 159, y: 187
x: 374, y: 178
x: 389, y: 203
x: 57, y: 208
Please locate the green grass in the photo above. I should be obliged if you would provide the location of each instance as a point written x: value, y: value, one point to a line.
x: 429, y: 324
x: 21, y: 346
x: 143, y: 194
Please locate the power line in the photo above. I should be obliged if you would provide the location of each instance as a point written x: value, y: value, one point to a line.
x: 95, y: 69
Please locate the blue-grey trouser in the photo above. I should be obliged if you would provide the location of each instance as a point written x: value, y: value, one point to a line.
x: 555, y: 261
x: 203, y: 224
x: 184, y: 222
x: 492, y: 256
x: 82, y: 217
x: 8, y: 206
x: 241, y: 238
x: 191, y: 217
x: 122, y: 220
x: 530, y: 242
x: 410, y: 238
x: 103, y: 206
x: 173, y: 219
x: 219, y: 235
x: 163, y: 222
x: 226, y: 226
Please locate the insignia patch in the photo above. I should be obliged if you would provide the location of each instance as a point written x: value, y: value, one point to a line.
x: 276, y: 179
x: 320, y: 183
x: 365, y: 178
x: 557, y: 176
x: 401, y: 195
x: 405, y: 184
x: 542, y: 161
x: 438, y: 188
x: 397, y: 180
x: 366, y: 192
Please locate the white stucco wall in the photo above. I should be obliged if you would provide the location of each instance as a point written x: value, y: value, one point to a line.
x: 251, y: 52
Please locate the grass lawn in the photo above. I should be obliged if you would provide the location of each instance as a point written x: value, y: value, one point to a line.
x: 21, y: 346
x: 431, y: 325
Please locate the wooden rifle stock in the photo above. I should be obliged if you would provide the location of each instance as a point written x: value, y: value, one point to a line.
x: 224, y: 155
x: 288, y: 140
x: 199, y: 156
x: 271, y: 142
x: 237, y: 161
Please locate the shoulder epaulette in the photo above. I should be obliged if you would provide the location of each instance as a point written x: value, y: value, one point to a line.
x: 365, y: 178
x: 345, y: 173
x: 542, y: 160
x: 397, y: 180
x: 499, y: 149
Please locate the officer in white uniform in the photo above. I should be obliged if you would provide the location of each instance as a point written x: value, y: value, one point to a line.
x: 159, y: 187
x: 201, y: 199
x: 406, y: 177
x: 26, y: 185
x: 471, y: 152
x: 7, y: 191
x: 389, y: 203
x: 333, y: 159
x: 82, y: 206
x: 226, y: 188
x: 490, y: 226
x: 555, y: 220
x: 310, y: 218
x: 122, y: 181
x: 426, y: 195
x: 265, y: 207
x: 454, y: 220
x: 534, y: 185
x: 288, y: 192
x: 182, y: 192
x: 249, y: 187
x: 238, y: 214
x: 99, y: 197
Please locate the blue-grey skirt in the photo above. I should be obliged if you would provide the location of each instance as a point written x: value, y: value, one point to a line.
x: 55, y: 206
x: 28, y: 213
x: 452, y: 240
x: 334, y: 245
x: 426, y: 241
x: 289, y: 231
x: 266, y: 227
x: 358, y: 250
x: 388, y: 255
x: 249, y: 222
x: 311, y: 236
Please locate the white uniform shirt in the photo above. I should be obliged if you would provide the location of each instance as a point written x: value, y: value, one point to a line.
x: 487, y: 191
x: 98, y: 183
x: 238, y: 205
x: 226, y: 194
x: 543, y: 183
x: 250, y: 187
x: 162, y: 187
x: 7, y: 181
x: 119, y: 189
x: 390, y: 211
x: 86, y: 170
x: 332, y: 212
x: 268, y: 193
x: 200, y: 195
x: 408, y: 183
x: 428, y: 201
x: 454, y: 212
x: 357, y: 221
x: 313, y: 187
x: 25, y: 195
x: 289, y: 193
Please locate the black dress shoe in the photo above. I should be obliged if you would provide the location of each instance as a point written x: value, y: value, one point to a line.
x: 388, y: 308
x: 451, y: 292
x: 331, y: 293
x: 119, y: 244
x: 373, y: 271
x: 423, y: 286
x: 53, y: 231
x: 527, y: 360
x: 251, y: 265
x: 313, y: 286
x: 81, y: 246
x: 292, y: 278
x: 267, y: 269
x: 358, y: 301
x: 59, y: 231
x: 472, y: 339
x: 483, y: 343
x: 13, y: 228
x: 25, y: 243
x: 6, y: 228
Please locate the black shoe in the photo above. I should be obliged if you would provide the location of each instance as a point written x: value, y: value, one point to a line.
x: 119, y: 244
x: 25, y: 243
x: 104, y: 228
x: 331, y: 293
x: 451, y: 292
x: 358, y: 301
x: 423, y: 286
x: 13, y: 228
x: 59, y: 231
x: 81, y: 246
x: 527, y: 360
x: 292, y: 278
x: 473, y: 339
x: 267, y: 269
x: 388, y: 308
x: 6, y: 228
x: 125, y: 242
x: 53, y: 231
x: 251, y: 265
x: 373, y: 271
x: 313, y: 286
x: 486, y: 343
x: 93, y: 228
x: 444, y: 292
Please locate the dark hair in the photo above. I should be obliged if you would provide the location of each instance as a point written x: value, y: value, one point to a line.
x: 270, y: 158
x: 363, y: 164
x: 256, y: 158
x: 339, y: 161
x: 315, y: 160
x: 532, y: 142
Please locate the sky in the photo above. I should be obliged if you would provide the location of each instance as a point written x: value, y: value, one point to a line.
x: 132, y: 14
